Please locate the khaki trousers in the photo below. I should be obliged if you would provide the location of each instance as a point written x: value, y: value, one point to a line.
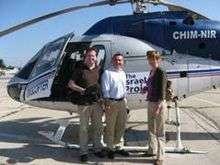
x: 93, y: 112
x: 116, y: 118
x: 156, y: 126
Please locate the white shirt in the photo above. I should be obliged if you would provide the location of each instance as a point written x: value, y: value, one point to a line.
x: 113, y: 84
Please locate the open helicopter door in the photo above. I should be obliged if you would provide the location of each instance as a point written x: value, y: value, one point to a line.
x: 76, y: 51
x: 44, y: 71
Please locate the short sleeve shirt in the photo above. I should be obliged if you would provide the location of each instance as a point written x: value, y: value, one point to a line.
x: 84, y: 77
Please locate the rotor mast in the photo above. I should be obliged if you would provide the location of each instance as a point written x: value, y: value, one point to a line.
x: 139, y: 6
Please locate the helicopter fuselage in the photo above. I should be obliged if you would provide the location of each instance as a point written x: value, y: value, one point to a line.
x: 189, y: 50
x: 173, y: 31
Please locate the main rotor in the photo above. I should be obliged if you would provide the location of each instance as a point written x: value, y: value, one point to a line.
x: 138, y: 6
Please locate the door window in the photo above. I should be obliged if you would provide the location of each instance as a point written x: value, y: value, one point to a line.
x: 27, y: 69
x: 49, y: 57
x: 80, y: 49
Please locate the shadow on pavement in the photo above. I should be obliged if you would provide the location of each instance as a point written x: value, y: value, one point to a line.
x: 38, y: 147
x: 34, y: 146
x: 29, y: 153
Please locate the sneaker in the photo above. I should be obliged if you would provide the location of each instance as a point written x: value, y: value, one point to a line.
x: 84, y: 158
x: 100, y: 154
x: 111, y: 154
x: 122, y: 152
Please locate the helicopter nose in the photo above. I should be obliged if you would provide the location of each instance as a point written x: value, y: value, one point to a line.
x: 14, y: 89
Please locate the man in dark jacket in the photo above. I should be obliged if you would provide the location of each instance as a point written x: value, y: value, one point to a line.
x: 85, y: 83
x: 156, y: 88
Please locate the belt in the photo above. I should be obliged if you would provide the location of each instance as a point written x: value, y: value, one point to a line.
x: 112, y: 99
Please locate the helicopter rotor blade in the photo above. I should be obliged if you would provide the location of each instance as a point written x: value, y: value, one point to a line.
x: 170, y: 6
x: 57, y: 13
x: 174, y: 7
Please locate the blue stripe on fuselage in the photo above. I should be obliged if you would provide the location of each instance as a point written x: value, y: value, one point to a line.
x: 193, y: 73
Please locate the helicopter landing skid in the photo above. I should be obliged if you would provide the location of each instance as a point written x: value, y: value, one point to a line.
x: 56, y: 137
x: 178, y: 148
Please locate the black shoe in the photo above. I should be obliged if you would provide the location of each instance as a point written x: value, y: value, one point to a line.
x: 111, y: 154
x: 100, y: 154
x: 122, y: 152
x: 84, y: 158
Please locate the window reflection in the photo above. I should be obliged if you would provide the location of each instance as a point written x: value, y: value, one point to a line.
x: 49, y: 58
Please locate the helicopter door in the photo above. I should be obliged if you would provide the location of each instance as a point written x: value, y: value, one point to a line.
x: 79, y: 49
x: 42, y: 76
x: 74, y: 56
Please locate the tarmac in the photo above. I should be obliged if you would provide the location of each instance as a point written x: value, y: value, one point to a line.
x: 20, y: 142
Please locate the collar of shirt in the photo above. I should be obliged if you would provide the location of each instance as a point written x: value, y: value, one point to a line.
x: 114, y: 84
x: 116, y: 70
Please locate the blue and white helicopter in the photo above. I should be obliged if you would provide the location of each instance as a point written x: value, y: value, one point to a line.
x: 188, y: 41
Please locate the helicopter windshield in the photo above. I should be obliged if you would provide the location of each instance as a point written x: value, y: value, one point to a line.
x: 49, y: 57
x: 25, y: 72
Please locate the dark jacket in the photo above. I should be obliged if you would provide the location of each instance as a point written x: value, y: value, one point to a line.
x: 159, y: 84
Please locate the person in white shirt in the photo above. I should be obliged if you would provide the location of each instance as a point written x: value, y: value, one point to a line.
x: 113, y: 83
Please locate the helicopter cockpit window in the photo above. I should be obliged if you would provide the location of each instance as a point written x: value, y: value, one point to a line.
x: 189, y: 21
x: 27, y: 69
x: 77, y: 50
x: 49, y: 58
x: 78, y: 54
x: 74, y: 57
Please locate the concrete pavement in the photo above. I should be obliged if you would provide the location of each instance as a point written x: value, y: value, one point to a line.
x: 21, y: 144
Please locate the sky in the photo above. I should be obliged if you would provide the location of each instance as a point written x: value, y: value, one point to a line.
x: 18, y: 47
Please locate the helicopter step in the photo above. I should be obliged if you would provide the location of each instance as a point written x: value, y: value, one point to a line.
x: 57, y: 136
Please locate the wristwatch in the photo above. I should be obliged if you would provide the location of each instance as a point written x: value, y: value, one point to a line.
x: 82, y: 92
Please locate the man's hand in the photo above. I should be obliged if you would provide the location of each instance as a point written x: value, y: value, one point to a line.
x: 82, y: 91
x: 107, y: 105
x: 72, y: 85
x: 101, y: 103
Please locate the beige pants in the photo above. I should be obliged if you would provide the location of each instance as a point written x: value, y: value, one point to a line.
x: 156, y: 126
x: 93, y: 112
x: 116, y: 118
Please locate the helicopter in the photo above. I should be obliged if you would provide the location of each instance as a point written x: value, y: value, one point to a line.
x: 187, y: 40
